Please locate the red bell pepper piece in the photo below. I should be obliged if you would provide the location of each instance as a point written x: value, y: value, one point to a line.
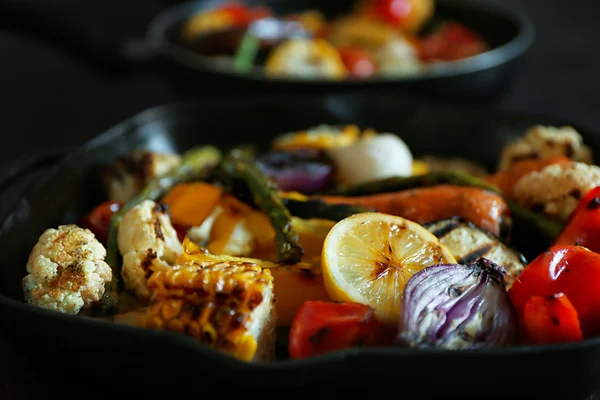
x: 583, y: 228
x: 551, y: 319
x: 572, y: 270
x: 321, y: 327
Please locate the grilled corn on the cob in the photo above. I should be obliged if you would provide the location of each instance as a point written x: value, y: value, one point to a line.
x: 227, y: 305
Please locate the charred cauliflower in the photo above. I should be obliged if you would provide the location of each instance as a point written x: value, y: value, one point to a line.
x: 66, y: 270
x: 130, y: 174
x: 146, y: 238
x: 546, y: 141
x: 557, y: 189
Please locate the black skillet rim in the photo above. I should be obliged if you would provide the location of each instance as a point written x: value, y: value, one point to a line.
x: 156, y: 113
x: 513, y: 49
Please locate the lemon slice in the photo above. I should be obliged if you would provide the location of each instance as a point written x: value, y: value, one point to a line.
x: 368, y: 258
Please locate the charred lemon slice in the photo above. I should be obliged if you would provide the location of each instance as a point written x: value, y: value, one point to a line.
x: 368, y: 258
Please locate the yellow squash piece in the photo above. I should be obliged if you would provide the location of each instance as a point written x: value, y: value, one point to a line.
x: 192, y: 202
x: 368, y: 258
x: 227, y: 305
x: 419, y: 167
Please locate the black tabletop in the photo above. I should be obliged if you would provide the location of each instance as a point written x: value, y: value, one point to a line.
x: 50, y: 101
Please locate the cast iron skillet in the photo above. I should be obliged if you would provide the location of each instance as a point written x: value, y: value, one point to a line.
x: 72, y: 188
x: 480, y: 78
x: 510, y: 33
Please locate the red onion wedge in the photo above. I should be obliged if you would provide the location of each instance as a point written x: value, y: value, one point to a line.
x: 454, y: 306
x: 304, y: 171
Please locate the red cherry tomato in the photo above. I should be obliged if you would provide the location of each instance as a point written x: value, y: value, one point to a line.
x: 358, y: 62
x: 548, y: 320
x: 99, y: 219
x: 321, y: 327
x: 392, y: 11
x: 572, y: 270
x: 583, y: 227
x: 451, y: 42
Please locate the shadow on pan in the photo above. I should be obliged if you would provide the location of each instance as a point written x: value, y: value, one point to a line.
x: 474, y: 80
x: 72, y: 187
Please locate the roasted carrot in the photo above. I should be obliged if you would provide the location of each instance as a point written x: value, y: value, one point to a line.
x: 506, y: 180
x: 484, y: 209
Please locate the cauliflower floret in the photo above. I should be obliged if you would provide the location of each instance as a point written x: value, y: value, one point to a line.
x: 557, y: 189
x: 130, y: 174
x: 66, y: 270
x: 146, y: 238
x: 546, y: 141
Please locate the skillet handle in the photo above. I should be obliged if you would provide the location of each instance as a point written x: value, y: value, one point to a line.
x: 42, y: 21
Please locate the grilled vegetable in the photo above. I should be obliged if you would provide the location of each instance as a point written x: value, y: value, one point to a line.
x: 468, y: 244
x: 129, y: 174
x: 525, y: 221
x: 485, y: 209
x: 196, y: 164
x: 294, y: 284
x: 98, y: 220
x: 305, y: 170
x: 454, y: 165
x: 583, y: 227
x: 322, y: 327
x: 227, y: 305
x: 396, y: 184
x: 572, y: 270
x: 319, y: 209
x: 507, y: 179
x: 190, y: 203
x: 456, y: 306
x: 265, y: 195
x: 551, y: 319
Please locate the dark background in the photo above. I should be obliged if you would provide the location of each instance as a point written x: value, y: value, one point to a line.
x: 49, y: 100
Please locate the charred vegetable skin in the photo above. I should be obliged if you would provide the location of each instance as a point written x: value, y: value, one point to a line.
x: 455, y: 306
x: 571, y: 270
x: 483, y: 208
x: 311, y: 208
x: 549, y: 320
x: 396, y: 184
x: 227, y: 305
x: 321, y: 327
x: 583, y: 228
x: 196, y: 164
x: 469, y: 243
x: 549, y: 227
x: 239, y: 166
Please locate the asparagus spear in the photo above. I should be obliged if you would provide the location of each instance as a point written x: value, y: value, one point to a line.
x: 549, y: 227
x: 307, y: 209
x: 196, y: 164
x: 239, y: 166
x: 395, y: 184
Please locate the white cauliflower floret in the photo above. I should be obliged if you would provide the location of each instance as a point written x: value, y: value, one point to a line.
x: 66, y: 270
x: 146, y: 238
x: 130, y: 174
x: 545, y: 141
x: 557, y: 189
